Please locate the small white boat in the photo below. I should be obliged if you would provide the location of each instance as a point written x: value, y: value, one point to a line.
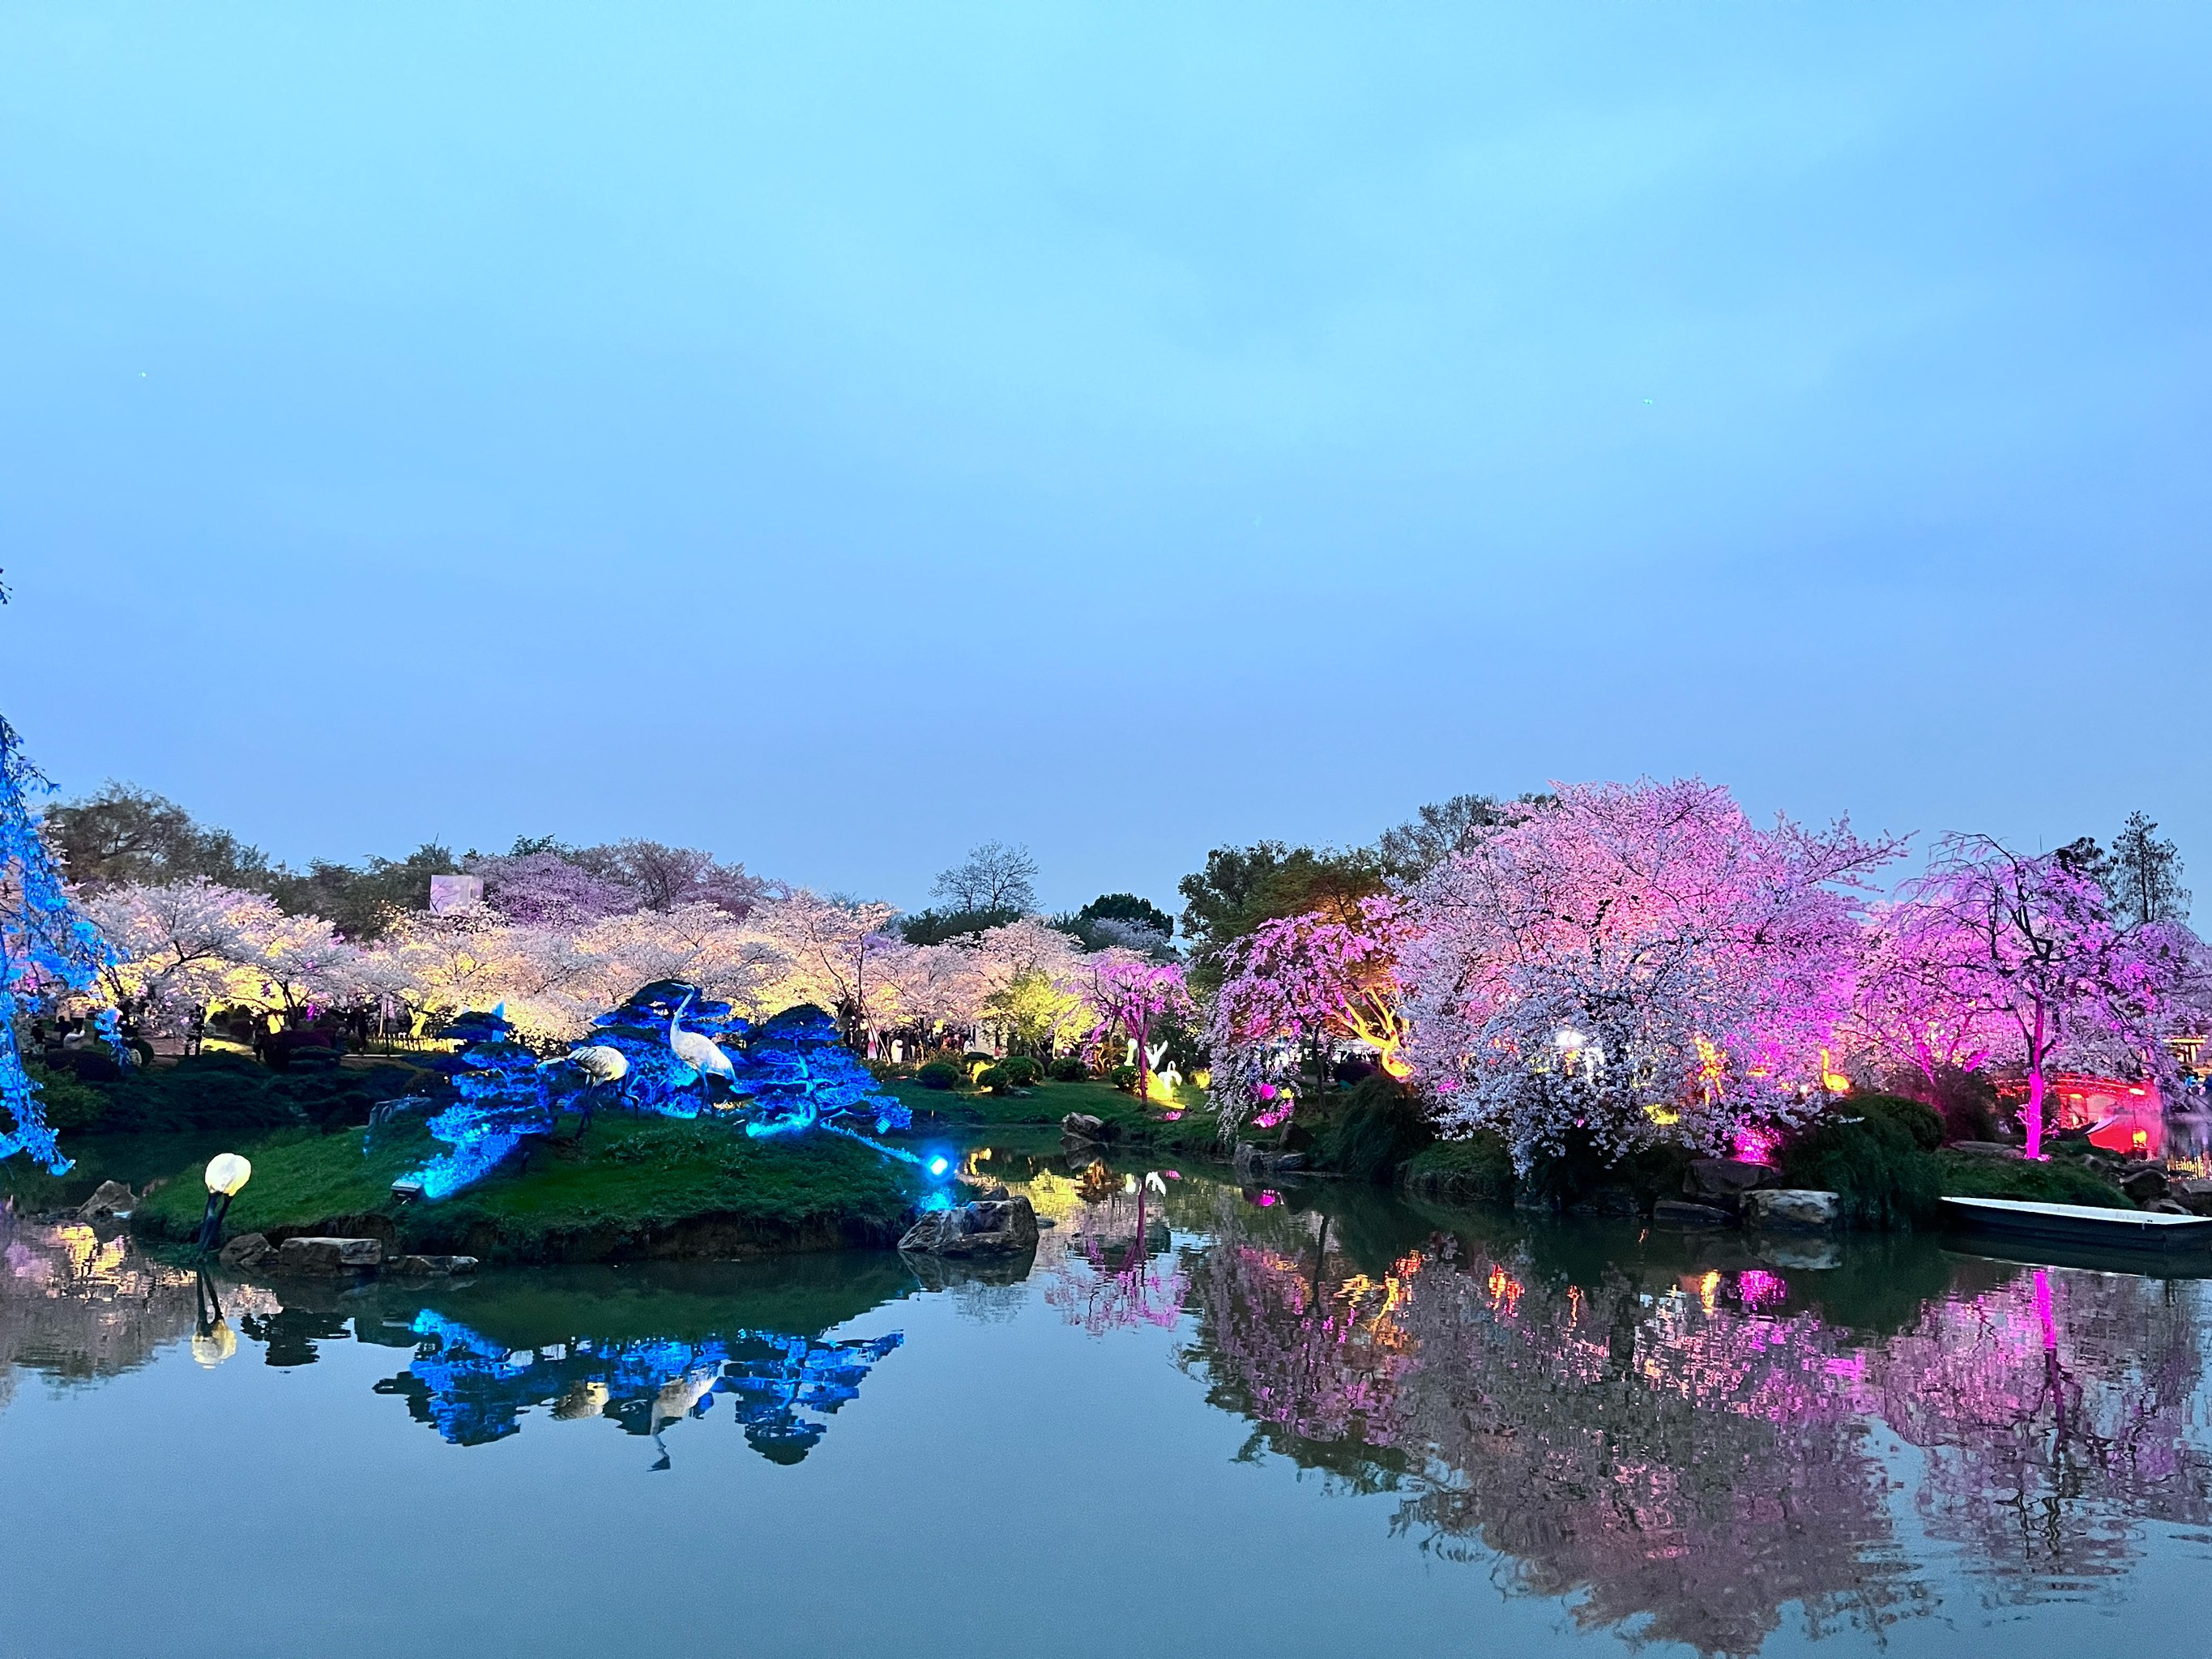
x: 2082, y: 1223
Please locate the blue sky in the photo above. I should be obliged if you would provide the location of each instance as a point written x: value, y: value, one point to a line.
x: 837, y: 435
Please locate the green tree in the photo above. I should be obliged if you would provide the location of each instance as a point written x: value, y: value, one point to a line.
x: 1242, y: 887
x: 2144, y: 875
x: 1410, y: 850
x: 361, y: 900
x: 1034, y: 1012
x: 124, y: 835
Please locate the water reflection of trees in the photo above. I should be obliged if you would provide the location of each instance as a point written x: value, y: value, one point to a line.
x: 76, y: 1305
x: 1689, y: 1454
x: 2057, y: 1414
x: 782, y: 1389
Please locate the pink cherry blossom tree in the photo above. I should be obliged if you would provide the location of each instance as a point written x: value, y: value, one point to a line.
x: 1312, y: 979
x: 1634, y: 961
x: 1915, y: 1004
x: 1129, y: 994
x: 2032, y: 953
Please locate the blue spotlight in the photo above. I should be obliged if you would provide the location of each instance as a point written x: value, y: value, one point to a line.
x: 938, y: 1166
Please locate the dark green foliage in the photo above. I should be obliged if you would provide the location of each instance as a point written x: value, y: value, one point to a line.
x: 124, y: 835
x: 230, y: 1091
x: 1120, y: 919
x: 1382, y: 1126
x: 360, y: 901
x: 1580, y: 1176
x: 939, y: 1074
x: 1021, y: 1070
x: 70, y: 1103
x: 1478, y: 1169
x: 1128, y: 907
x: 1123, y: 1077
x: 935, y: 927
x: 1441, y: 829
x: 2057, y: 1180
x: 995, y: 1079
x: 1966, y: 1101
x: 1921, y: 1121
x: 1873, y: 1152
x: 1069, y: 1069
x: 1242, y: 887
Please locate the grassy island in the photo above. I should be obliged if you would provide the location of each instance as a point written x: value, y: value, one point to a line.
x: 632, y: 1188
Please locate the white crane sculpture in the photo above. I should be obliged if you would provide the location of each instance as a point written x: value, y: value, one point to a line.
x: 696, y: 1050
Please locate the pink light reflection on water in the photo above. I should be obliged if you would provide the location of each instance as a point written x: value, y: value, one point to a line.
x: 1760, y: 1289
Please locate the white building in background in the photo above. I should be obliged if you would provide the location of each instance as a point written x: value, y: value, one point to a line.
x: 454, y: 893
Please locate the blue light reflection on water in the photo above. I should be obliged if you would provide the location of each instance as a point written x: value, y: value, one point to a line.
x: 1341, y: 1432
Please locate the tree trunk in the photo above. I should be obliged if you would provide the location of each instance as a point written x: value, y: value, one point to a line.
x: 2035, y: 1087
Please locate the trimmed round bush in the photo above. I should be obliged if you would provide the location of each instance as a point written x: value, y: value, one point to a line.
x: 1123, y: 1078
x: 1021, y: 1069
x: 1069, y: 1069
x: 938, y: 1074
x: 996, y: 1079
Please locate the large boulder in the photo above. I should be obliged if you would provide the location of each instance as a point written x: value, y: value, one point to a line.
x: 2145, y: 1184
x: 1724, y: 1181
x: 1252, y: 1163
x: 1678, y: 1212
x: 1793, y: 1210
x: 330, y: 1255
x: 996, y: 1227
x: 1085, y: 1130
x: 2192, y: 1192
x: 246, y: 1252
x: 111, y: 1199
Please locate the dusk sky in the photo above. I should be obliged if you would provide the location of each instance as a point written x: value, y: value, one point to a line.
x: 837, y: 435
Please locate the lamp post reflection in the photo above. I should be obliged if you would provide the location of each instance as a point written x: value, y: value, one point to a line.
x: 213, y: 1340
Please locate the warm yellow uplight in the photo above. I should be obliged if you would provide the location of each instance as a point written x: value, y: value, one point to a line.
x: 227, y: 1172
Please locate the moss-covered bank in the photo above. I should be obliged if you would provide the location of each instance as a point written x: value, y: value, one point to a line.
x: 631, y: 1190
x: 1882, y: 1155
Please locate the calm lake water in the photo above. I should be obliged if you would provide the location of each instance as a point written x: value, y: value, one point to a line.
x: 1217, y: 1422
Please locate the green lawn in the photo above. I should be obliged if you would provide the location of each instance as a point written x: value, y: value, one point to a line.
x: 623, y: 1191
x: 960, y: 1111
x: 2057, y: 1180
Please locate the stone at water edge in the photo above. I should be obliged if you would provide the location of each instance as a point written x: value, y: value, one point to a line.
x: 330, y: 1255
x: 435, y: 1266
x: 1249, y: 1160
x: 112, y: 1198
x: 1678, y: 1212
x: 1724, y: 1181
x: 246, y: 1251
x: 1793, y: 1209
x: 1081, y: 1125
x: 987, y: 1227
x: 2145, y: 1186
x: 2193, y: 1193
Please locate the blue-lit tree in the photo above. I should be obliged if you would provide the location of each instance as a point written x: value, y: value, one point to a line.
x: 46, y: 946
x: 474, y: 1390
x: 798, y: 1074
x: 503, y: 1098
x: 659, y: 1081
x: 679, y: 1057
